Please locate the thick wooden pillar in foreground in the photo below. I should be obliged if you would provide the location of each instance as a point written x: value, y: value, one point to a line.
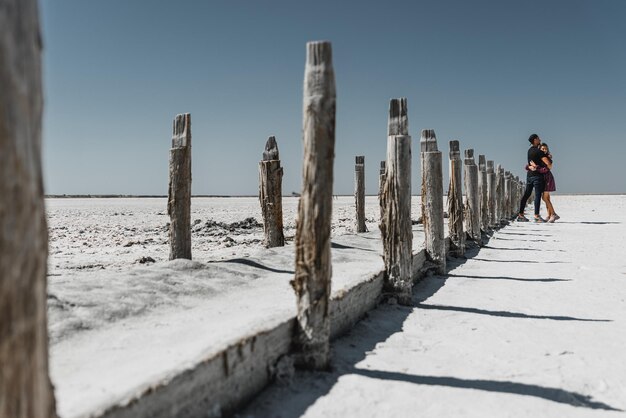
x: 432, y: 199
x: 271, y: 194
x: 455, y: 202
x: 25, y: 389
x: 179, y: 193
x: 491, y: 194
x: 395, y: 226
x: 359, y: 193
x: 313, y: 263
x: 484, y: 198
x: 472, y: 198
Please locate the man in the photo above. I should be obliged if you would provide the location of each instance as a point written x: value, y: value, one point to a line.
x: 534, y: 179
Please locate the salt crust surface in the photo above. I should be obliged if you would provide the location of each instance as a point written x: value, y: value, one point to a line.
x: 534, y: 325
x: 116, y: 325
x: 114, y: 329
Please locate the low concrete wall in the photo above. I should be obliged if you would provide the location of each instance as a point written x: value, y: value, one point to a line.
x: 228, y: 380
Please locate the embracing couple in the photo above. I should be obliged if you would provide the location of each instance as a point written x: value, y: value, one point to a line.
x: 540, y: 178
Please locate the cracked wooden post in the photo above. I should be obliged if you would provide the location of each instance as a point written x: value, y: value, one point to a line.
x: 313, y: 260
x: 432, y: 199
x: 499, y: 194
x: 271, y: 194
x: 381, y: 183
x: 179, y: 193
x: 508, y: 191
x: 25, y: 388
x: 395, y: 226
x: 491, y: 194
x: 455, y: 202
x: 359, y: 193
x: 472, y: 198
x: 484, y: 198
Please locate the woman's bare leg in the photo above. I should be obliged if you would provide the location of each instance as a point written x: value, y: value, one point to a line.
x: 546, y: 198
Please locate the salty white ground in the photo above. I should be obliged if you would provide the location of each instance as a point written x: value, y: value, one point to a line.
x: 505, y: 334
x: 532, y: 325
x: 117, y: 325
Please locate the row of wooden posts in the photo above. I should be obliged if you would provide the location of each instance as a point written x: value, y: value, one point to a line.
x: 491, y: 195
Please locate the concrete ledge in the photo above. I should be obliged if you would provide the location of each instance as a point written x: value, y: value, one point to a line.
x: 227, y: 380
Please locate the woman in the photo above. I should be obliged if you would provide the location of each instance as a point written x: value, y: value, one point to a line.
x: 549, y: 181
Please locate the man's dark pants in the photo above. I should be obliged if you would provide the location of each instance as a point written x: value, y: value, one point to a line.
x: 538, y: 183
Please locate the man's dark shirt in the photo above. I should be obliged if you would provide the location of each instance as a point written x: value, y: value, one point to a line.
x: 535, y: 155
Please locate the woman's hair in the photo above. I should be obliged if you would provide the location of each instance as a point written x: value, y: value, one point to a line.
x: 544, y: 144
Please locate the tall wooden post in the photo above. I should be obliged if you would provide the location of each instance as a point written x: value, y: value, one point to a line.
x: 472, y: 198
x: 508, y: 194
x: 25, y: 388
x: 484, y: 198
x: 455, y: 202
x: 313, y: 262
x: 395, y: 226
x: 179, y: 193
x: 499, y: 194
x: 381, y: 184
x: 432, y: 199
x: 359, y: 193
x: 491, y: 194
x: 271, y: 194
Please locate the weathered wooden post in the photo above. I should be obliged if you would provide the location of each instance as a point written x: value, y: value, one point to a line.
x: 484, y: 198
x: 507, y: 195
x: 491, y: 194
x: 455, y: 202
x: 472, y: 198
x: 359, y: 193
x: 313, y: 262
x: 179, y: 193
x: 381, y: 184
x: 395, y: 226
x: 271, y: 194
x: 25, y: 389
x: 432, y: 199
x: 499, y: 194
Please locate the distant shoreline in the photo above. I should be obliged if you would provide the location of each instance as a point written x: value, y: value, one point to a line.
x: 130, y: 196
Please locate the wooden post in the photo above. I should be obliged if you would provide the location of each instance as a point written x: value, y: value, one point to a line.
x: 395, y: 226
x: 271, y: 194
x: 359, y: 193
x: 25, y: 388
x: 484, y: 198
x: 313, y: 262
x: 179, y: 194
x: 499, y: 194
x: 432, y: 199
x: 491, y: 194
x: 508, y: 194
x: 472, y: 198
x: 381, y: 184
x: 455, y: 202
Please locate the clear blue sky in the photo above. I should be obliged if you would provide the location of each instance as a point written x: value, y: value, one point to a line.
x: 488, y: 73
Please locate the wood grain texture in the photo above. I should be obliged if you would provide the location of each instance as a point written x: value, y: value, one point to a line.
x: 359, y: 193
x: 398, y: 122
x: 491, y: 193
x: 482, y: 188
x: 472, y: 198
x: 432, y: 200
x: 25, y: 388
x: 313, y: 262
x: 395, y: 226
x: 455, y: 202
x: 179, y: 192
x: 271, y: 195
